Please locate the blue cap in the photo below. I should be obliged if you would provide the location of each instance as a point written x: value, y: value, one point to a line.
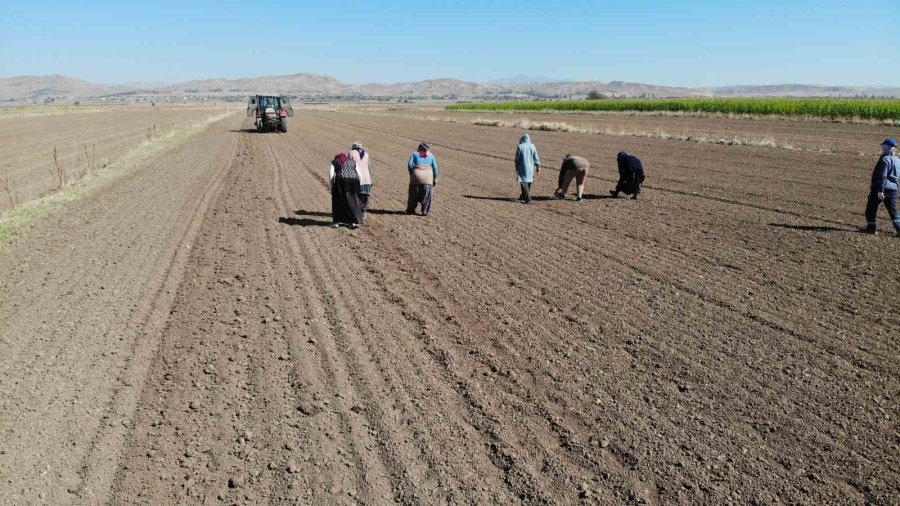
x: 892, y: 142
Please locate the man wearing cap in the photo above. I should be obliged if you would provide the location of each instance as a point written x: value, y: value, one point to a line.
x: 884, y: 187
x: 631, y: 176
x: 423, y: 177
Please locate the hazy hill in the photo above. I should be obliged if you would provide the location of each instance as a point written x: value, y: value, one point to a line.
x: 526, y: 79
x: 28, y: 88
x: 294, y: 83
x: 614, y: 88
x: 40, y: 87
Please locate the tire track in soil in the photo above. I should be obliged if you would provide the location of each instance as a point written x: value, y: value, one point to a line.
x: 767, y: 320
x: 443, y: 185
x: 98, y: 470
x: 464, y: 219
x: 649, y: 185
x: 499, y: 449
x: 258, y: 437
x: 353, y: 383
x: 688, y: 271
x: 476, y: 220
x: 536, y: 397
x: 627, y: 265
x: 521, y: 486
x: 424, y: 446
x: 73, y: 335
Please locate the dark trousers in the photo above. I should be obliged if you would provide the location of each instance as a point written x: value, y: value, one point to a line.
x: 419, y: 194
x: 890, y: 202
x: 526, y: 192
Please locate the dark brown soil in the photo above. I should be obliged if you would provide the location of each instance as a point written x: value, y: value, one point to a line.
x: 729, y: 338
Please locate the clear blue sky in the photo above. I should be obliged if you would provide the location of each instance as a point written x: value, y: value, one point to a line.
x: 691, y: 43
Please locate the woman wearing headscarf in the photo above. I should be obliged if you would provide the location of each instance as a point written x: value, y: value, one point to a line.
x: 343, y: 182
x: 358, y: 154
x: 423, y: 177
x: 631, y: 175
x: 527, y: 163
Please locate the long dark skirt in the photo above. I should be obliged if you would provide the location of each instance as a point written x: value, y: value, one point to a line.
x: 630, y: 185
x: 345, y: 207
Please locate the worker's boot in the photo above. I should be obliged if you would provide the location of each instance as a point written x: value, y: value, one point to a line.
x: 634, y: 197
x: 614, y: 193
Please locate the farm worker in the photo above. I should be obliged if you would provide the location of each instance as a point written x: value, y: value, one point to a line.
x: 884, y: 187
x: 423, y: 177
x: 358, y: 154
x: 573, y: 167
x: 527, y: 164
x: 343, y: 181
x: 631, y: 175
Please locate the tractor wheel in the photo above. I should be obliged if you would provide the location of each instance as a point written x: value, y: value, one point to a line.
x: 282, y: 126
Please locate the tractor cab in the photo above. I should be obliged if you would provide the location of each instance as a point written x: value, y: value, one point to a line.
x: 270, y: 112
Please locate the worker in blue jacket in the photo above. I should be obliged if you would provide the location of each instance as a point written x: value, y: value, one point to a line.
x: 423, y: 177
x: 528, y: 163
x: 884, y: 187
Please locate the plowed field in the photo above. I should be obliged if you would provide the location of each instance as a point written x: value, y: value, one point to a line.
x: 84, y: 141
x: 196, y: 333
x: 798, y: 134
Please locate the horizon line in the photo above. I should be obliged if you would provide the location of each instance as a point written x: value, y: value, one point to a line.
x: 492, y: 82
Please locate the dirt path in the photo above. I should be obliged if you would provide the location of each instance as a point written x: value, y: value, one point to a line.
x: 727, y: 339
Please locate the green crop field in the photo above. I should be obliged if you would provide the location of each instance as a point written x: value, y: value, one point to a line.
x: 835, y: 108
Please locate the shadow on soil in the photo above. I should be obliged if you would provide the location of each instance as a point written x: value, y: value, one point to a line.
x: 507, y: 199
x: 301, y: 212
x: 537, y: 199
x: 811, y: 228
x: 387, y: 212
x: 304, y: 222
x: 252, y: 131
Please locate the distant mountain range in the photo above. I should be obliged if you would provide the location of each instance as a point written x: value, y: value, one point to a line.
x: 309, y: 86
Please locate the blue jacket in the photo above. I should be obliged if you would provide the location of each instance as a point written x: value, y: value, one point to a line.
x: 416, y: 158
x: 526, y: 159
x: 886, y: 173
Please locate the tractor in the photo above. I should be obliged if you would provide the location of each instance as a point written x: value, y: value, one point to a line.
x: 270, y: 112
